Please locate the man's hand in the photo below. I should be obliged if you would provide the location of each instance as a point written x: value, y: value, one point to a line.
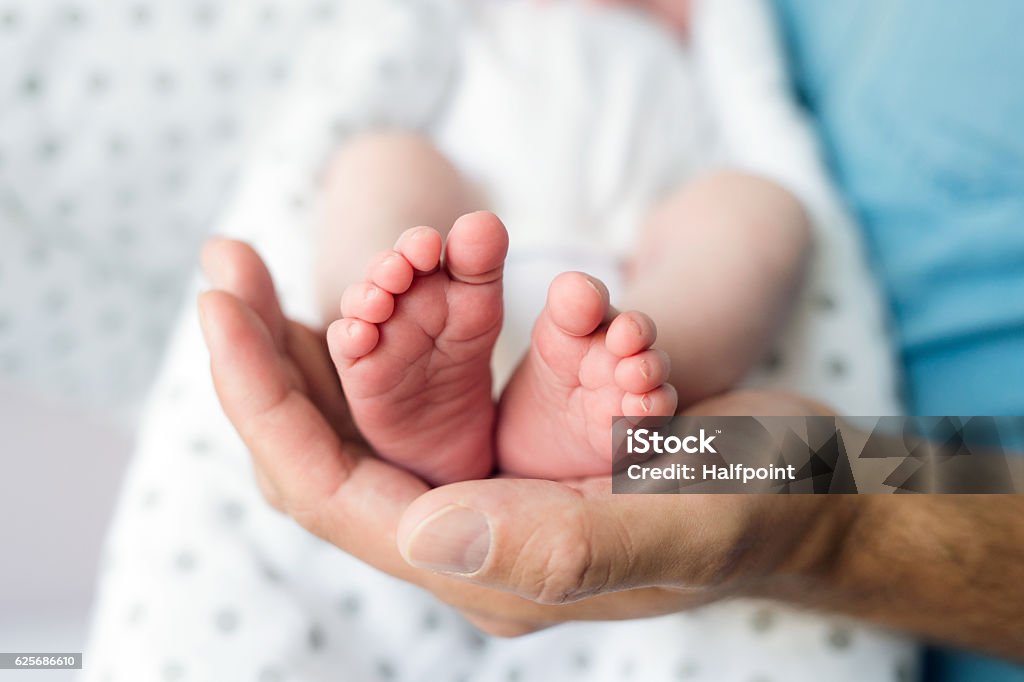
x: 519, y: 555
x: 516, y: 555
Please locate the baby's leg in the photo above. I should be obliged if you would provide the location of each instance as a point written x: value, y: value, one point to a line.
x: 378, y: 186
x: 715, y: 269
x: 717, y: 266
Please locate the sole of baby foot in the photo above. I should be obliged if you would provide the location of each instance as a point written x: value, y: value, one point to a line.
x: 586, y: 364
x: 413, y: 349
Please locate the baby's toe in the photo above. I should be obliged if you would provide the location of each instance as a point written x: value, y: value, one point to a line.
x: 368, y: 302
x: 350, y: 339
x: 630, y: 333
x: 660, y: 402
x: 577, y: 303
x: 642, y: 372
x: 391, y: 272
x: 421, y: 246
x: 476, y: 250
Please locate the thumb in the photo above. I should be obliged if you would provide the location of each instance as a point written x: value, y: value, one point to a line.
x: 552, y: 543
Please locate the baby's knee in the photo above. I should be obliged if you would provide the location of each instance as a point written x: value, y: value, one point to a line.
x: 391, y: 152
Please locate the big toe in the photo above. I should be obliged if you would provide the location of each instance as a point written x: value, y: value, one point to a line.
x: 476, y: 248
x: 577, y: 303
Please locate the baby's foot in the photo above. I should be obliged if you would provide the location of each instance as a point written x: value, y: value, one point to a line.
x: 414, y: 349
x: 555, y: 417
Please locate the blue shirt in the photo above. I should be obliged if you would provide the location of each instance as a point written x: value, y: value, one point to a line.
x: 921, y: 107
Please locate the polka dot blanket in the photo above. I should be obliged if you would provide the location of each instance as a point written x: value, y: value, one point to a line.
x: 202, y: 581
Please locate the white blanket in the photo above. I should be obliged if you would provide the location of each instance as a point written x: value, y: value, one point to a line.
x: 205, y: 582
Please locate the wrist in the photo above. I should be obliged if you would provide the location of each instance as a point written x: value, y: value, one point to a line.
x: 812, y: 566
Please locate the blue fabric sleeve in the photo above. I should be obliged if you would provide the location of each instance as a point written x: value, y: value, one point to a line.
x: 921, y: 107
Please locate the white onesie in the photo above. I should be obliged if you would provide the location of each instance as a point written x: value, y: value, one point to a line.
x: 574, y: 121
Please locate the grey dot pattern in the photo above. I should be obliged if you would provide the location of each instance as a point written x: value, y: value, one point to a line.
x: 825, y: 302
x: 903, y: 672
x: 837, y: 367
x: 272, y: 575
x: 687, y: 670
x: 772, y: 362
x: 350, y: 605
x: 171, y: 671
x: 136, y: 614
x: 762, y: 620
x: 185, y: 562
x: 431, y: 620
x: 232, y: 511
x: 200, y: 447
x: 840, y: 638
x: 475, y: 641
x: 116, y: 166
x: 226, y: 620
x: 270, y: 674
x: 386, y: 670
x: 316, y: 638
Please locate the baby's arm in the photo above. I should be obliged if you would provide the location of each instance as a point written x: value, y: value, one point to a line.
x: 718, y: 264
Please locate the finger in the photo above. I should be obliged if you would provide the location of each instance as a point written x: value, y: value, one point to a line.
x: 500, y: 627
x: 289, y: 439
x: 236, y: 268
x: 308, y: 350
x: 552, y: 544
x: 331, y: 488
x: 267, y: 489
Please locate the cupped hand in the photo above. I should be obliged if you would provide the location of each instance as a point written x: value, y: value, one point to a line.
x: 513, y: 555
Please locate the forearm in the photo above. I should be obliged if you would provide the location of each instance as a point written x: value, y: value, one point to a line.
x: 717, y: 268
x: 947, y: 568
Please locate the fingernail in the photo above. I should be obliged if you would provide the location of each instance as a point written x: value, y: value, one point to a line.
x: 371, y: 292
x: 645, y: 369
x: 454, y: 539
x: 645, y: 402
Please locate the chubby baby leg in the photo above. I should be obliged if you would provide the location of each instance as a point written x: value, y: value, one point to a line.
x: 377, y: 186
